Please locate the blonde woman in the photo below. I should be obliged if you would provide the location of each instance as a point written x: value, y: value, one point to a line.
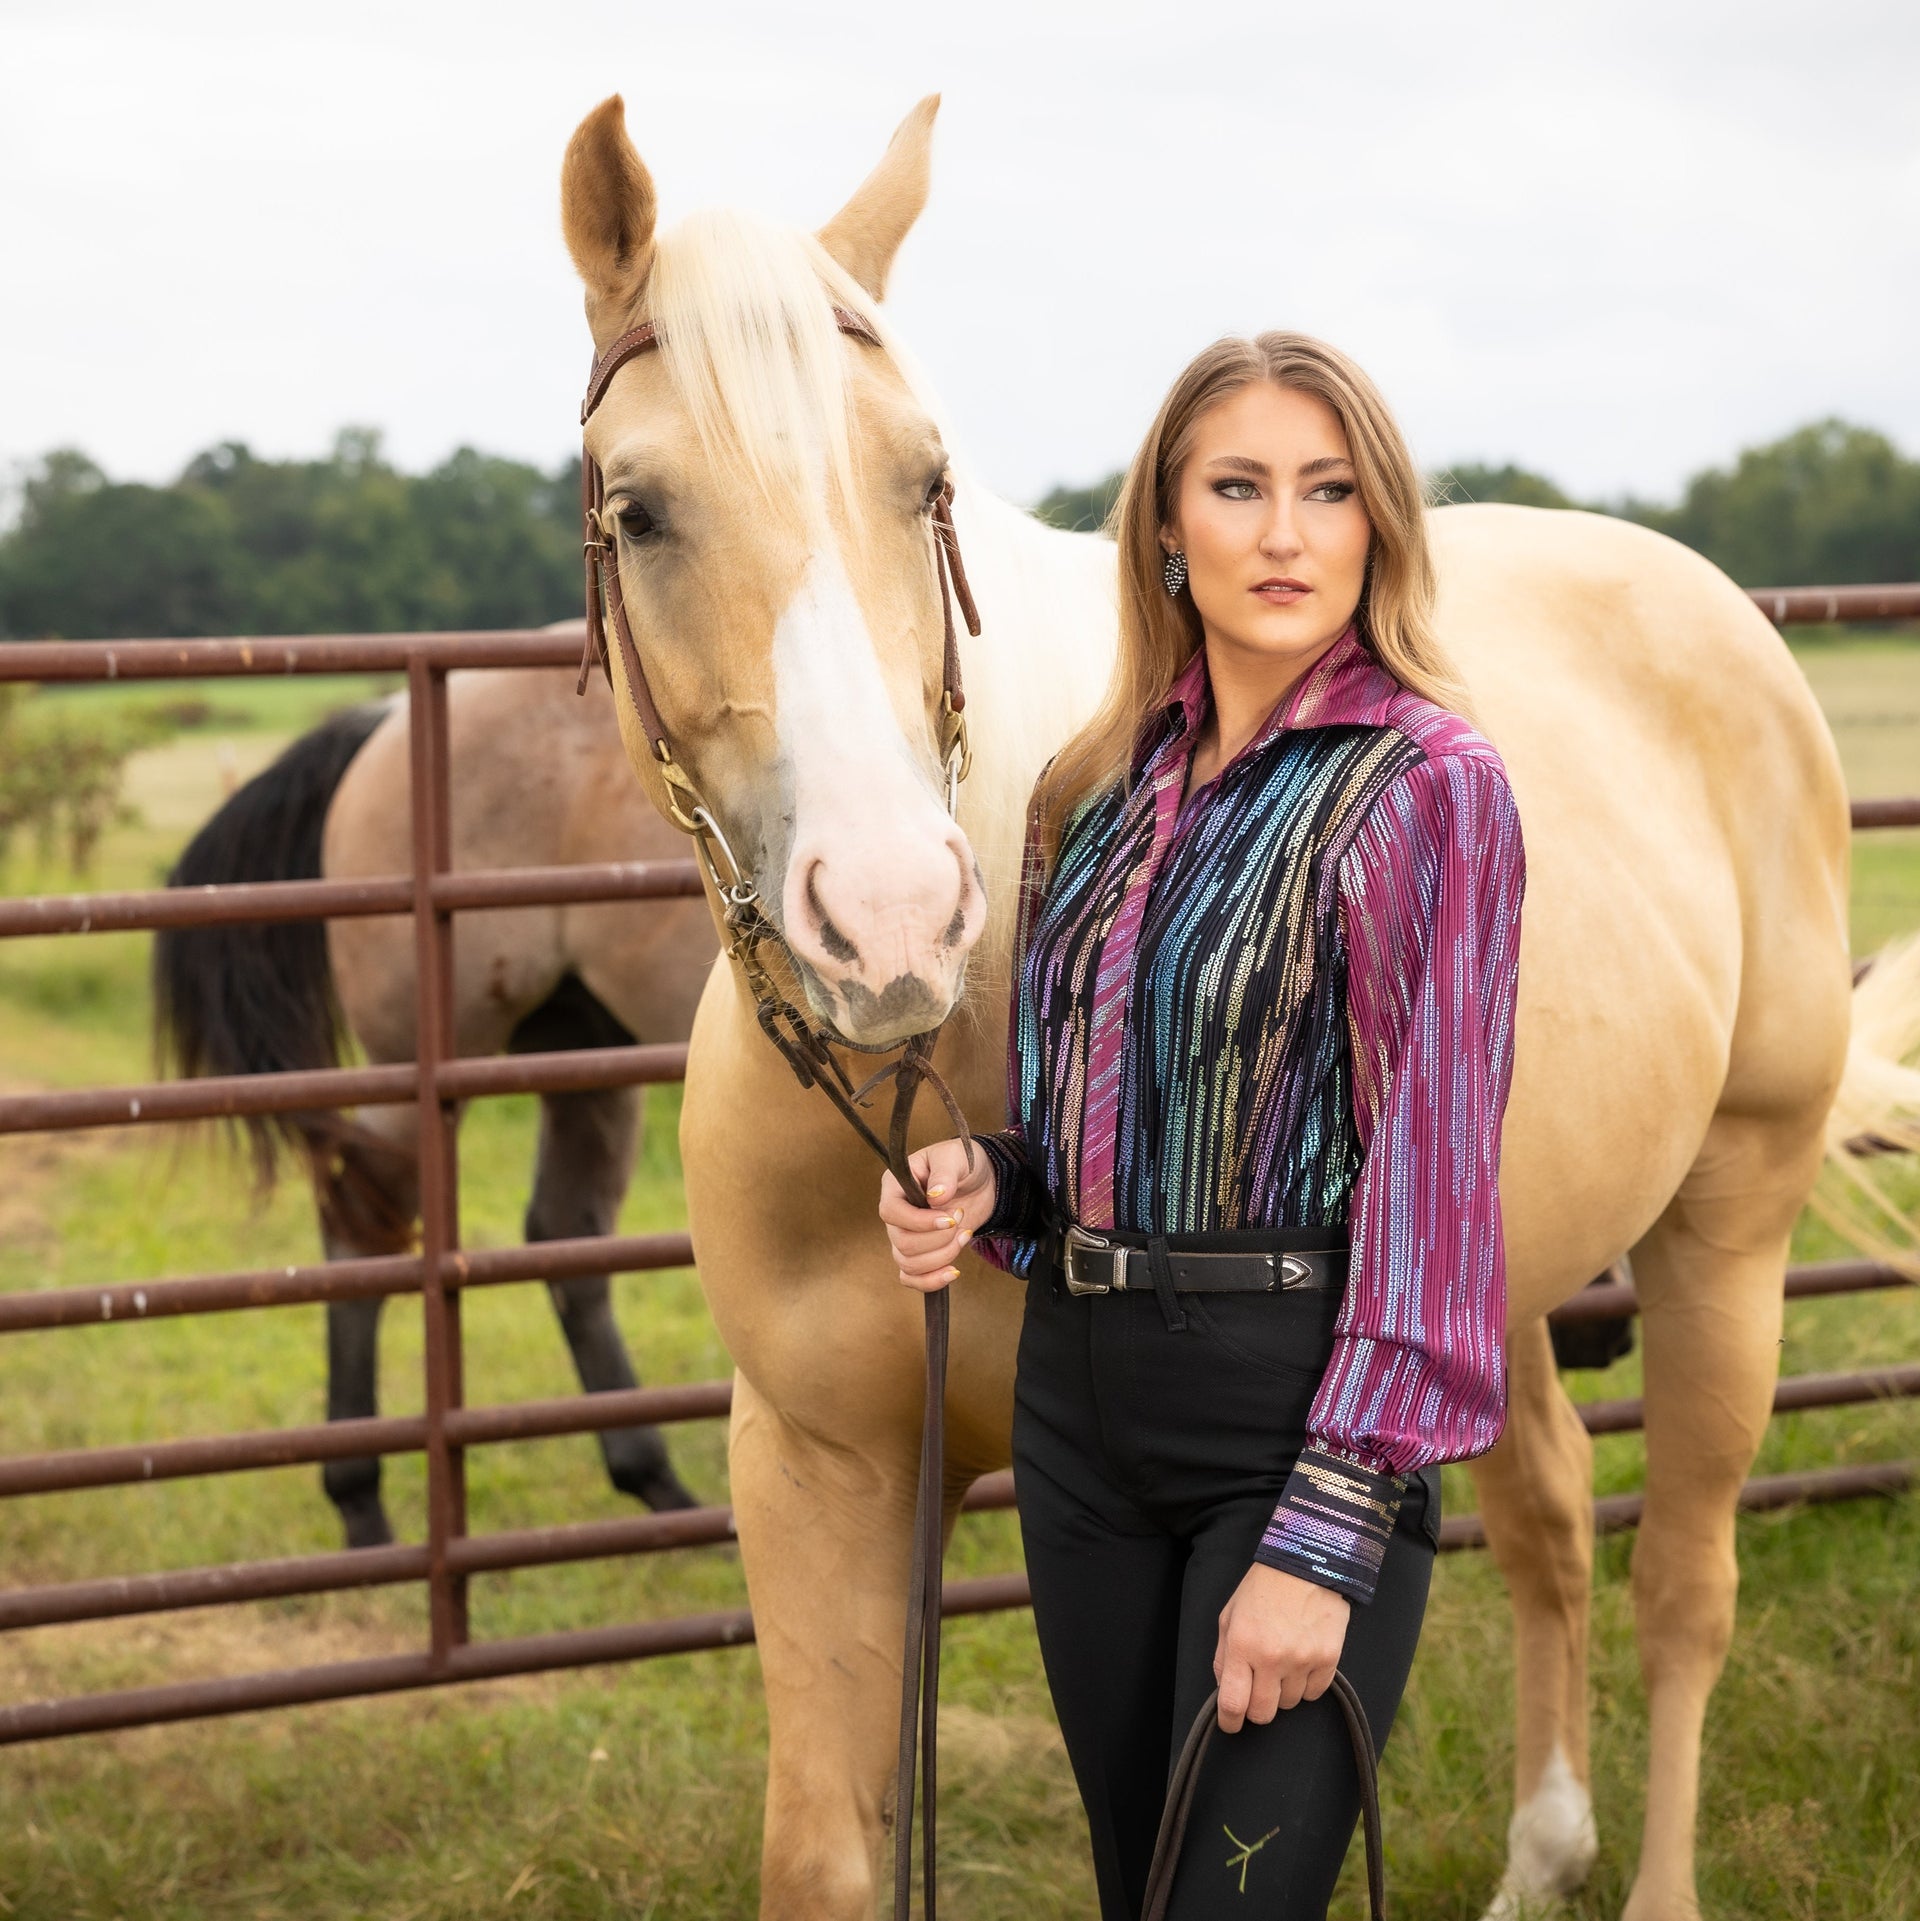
x: 1262, y: 1040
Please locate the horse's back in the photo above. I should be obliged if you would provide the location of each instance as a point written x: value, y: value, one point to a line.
x: 538, y: 779
x: 1686, y: 832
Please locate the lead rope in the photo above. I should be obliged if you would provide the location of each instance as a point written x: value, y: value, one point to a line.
x: 1186, y: 1776
x: 810, y: 1056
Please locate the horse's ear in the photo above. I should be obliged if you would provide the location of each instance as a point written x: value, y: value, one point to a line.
x: 607, y: 209
x: 866, y: 233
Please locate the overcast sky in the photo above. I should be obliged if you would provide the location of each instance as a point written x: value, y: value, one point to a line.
x: 1615, y: 242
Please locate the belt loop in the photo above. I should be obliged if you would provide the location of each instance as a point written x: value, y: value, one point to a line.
x: 1160, y: 1266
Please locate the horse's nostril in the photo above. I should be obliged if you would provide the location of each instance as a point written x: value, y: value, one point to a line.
x: 838, y: 947
x: 971, y: 887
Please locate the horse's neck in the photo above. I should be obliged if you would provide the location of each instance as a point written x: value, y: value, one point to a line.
x: 1032, y: 677
x: 1034, y: 673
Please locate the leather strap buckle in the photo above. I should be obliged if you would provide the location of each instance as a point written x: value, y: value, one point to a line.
x: 1077, y: 1242
x: 1291, y: 1271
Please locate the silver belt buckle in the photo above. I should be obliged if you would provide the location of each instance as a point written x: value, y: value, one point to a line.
x: 1290, y: 1271
x: 1077, y: 1240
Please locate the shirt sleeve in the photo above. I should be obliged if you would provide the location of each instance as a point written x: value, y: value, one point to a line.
x: 1430, y: 894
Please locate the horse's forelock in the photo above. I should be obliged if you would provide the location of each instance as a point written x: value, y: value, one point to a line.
x: 748, y: 338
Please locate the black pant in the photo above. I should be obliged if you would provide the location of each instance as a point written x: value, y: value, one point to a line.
x: 1147, y: 1463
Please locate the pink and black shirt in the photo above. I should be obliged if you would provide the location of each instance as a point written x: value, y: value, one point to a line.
x: 1288, y: 1003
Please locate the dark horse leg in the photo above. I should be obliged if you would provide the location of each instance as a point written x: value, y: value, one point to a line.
x: 587, y: 1146
x: 368, y: 1194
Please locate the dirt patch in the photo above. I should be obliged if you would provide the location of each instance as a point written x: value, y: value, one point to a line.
x: 213, y: 1643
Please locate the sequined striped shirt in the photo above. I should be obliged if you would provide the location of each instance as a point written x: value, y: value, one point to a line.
x: 1287, y: 1001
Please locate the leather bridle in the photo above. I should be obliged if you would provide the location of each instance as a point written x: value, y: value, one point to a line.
x: 809, y: 1051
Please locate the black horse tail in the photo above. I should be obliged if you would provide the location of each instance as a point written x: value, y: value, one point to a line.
x: 260, y: 999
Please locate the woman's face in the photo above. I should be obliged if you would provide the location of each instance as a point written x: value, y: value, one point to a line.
x: 1268, y: 513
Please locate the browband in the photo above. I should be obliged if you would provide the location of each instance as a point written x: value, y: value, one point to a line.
x: 645, y: 337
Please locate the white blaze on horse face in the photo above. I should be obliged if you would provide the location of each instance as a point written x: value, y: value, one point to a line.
x: 881, y: 899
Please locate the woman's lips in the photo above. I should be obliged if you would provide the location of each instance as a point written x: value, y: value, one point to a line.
x: 1282, y: 592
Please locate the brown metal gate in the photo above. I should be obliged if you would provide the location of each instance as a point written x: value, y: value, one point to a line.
x: 440, y: 1272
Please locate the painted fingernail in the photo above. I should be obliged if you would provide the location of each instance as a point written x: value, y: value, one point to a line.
x: 934, y: 1193
x: 947, y: 1220
x: 949, y: 1273
x: 959, y: 1215
x: 966, y: 1236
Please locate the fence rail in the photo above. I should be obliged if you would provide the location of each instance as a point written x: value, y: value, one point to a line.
x: 438, y: 1082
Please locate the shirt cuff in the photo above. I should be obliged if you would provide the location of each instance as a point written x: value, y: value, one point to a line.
x: 1333, y: 1522
x: 1013, y: 1186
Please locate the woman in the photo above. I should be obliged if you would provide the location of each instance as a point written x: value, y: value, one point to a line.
x: 1262, y: 1040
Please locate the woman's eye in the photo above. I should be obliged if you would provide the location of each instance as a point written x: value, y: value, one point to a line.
x: 1333, y: 490
x: 1236, y: 490
x: 634, y: 519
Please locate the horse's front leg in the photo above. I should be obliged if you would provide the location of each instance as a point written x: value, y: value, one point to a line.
x: 825, y: 1524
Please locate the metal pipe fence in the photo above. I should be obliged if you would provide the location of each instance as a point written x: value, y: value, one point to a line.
x: 441, y: 1271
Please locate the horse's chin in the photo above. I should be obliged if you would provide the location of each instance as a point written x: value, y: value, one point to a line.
x: 851, y: 1013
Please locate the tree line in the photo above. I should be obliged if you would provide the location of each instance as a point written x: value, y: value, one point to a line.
x: 348, y: 544
x: 241, y: 545
x: 1829, y: 504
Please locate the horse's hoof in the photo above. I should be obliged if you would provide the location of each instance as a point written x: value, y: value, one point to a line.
x: 1551, y: 1845
x: 367, y: 1526
x: 1508, y: 1906
x: 665, y: 1491
x: 638, y: 1464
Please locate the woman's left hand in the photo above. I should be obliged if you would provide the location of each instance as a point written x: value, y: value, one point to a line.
x: 1280, y: 1642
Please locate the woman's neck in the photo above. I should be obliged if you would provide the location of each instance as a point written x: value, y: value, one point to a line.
x: 1245, y: 687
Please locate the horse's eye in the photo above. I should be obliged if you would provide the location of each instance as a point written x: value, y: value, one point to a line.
x: 634, y: 519
x: 935, y: 487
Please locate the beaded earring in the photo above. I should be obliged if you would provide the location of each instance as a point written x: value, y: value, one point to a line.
x: 1175, y: 573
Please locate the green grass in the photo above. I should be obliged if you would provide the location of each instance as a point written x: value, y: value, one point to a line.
x: 636, y: 1790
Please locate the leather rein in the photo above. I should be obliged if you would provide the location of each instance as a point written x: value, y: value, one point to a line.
x: 808, y: 1051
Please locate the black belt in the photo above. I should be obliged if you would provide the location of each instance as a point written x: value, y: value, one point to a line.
x: 1110, y: 1262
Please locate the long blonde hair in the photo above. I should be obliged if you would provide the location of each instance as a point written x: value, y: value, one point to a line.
x: 1159, y: 636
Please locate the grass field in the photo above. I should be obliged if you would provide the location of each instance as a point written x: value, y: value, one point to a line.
x: 635, y: 1791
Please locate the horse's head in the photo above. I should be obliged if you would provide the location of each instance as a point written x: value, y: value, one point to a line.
x: 769, y: 479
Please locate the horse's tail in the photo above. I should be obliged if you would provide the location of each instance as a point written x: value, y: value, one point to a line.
x: 252, y: 998
x: 1877, y: 1110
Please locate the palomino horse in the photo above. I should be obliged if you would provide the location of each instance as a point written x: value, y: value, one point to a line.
x: 1684, y: 1016
x: 537, y: 777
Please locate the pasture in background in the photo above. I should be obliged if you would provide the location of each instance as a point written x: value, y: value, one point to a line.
x: 636, y: 1790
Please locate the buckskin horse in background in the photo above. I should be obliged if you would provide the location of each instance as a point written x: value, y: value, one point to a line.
x: 537, y: 777
x: 1684, y: 1012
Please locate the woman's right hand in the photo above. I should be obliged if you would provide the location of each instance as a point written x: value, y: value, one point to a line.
x: 926, y: 1241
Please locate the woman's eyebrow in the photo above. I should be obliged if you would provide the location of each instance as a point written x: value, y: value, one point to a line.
x: 1242, y: 464
x: 1326, y: 464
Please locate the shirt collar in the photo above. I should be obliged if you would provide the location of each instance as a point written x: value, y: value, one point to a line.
x: 1345, y: 687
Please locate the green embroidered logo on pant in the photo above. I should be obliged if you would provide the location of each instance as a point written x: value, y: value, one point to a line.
x: 1244, y: 1851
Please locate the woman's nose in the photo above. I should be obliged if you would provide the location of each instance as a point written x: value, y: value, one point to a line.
x: 1280, y: 536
